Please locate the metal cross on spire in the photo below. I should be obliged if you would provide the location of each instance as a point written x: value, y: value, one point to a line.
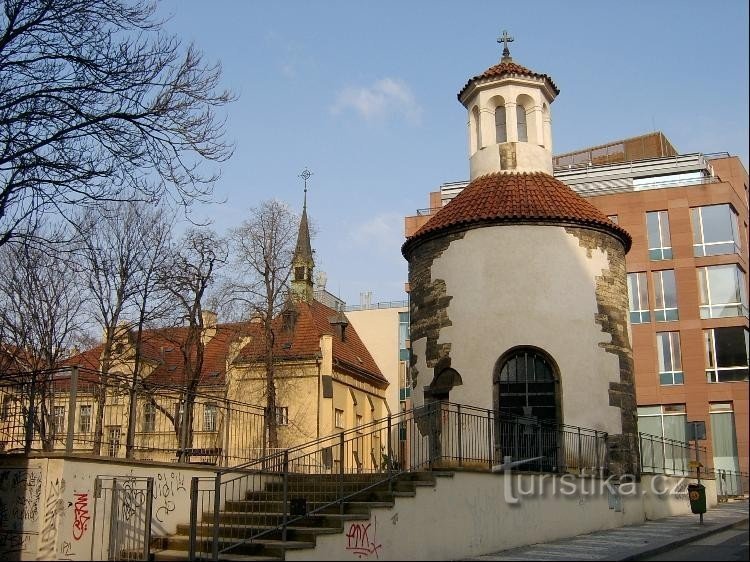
x: 305, y: 175
x: 505, y: 39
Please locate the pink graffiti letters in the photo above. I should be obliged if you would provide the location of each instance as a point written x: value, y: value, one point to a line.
x: 362, y: 539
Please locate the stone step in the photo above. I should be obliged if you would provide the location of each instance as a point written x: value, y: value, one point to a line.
x: 350, y: 506
x: 262, y: 546
x: 294, y: 532
x: 167, y: 555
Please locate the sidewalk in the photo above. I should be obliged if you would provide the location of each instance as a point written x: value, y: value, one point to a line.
x: 632, y: 542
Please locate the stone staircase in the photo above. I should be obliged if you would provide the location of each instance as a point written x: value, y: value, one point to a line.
x: 262, y: 511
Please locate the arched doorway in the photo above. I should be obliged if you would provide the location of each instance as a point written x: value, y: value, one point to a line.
x: 526, y: 397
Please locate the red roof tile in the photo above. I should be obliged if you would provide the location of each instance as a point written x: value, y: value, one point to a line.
x: 508, y: 68
x: 162, y: 346
x: 513, y: 198
x: 313, y: 321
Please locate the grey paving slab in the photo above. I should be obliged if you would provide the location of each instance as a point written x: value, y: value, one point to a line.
x: 631, y: 542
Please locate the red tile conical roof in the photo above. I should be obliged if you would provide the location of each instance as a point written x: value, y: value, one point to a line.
x: 515, y: 198
x: 507, y: 68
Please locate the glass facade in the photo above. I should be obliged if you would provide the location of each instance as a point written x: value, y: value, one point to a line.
x: 722, y: 291
x: 665, y: 295
x: 715, y: 230
x: 659, y: 240
x: 726, y: 354
x: 670, y: 359
x: 638, y: 298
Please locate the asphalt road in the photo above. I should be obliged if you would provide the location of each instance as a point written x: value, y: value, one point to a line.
x: 731, y: 544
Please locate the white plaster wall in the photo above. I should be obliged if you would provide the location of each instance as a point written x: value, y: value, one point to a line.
x: 65, y: 521
x: 666, y: 496
x: 526, y: 285
x: 529, y: 158
x: 468, y: 515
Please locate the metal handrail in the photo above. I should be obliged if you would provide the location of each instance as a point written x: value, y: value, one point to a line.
x: 331, y: 470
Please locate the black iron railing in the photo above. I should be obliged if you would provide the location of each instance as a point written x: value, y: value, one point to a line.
x: 264, y: 498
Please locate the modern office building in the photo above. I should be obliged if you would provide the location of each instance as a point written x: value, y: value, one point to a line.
x: 687, y: 280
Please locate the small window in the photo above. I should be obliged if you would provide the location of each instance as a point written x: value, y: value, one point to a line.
x: 149, y: 417
x: 659, y: 241
x: 721, y: 407
x: 722, y: 289
x: 210, y: 411
x: 282, y: 415
x: 726, y: 354
x: 113, y: 441
x: 638, y: 298
x: 614, y: 219
x: 523, y: 135
x: 670, y: 359
x: 715, y: 230
x: 338, y: 418
x: 665, y: 293
x: 299, y: 273
x: 58, y: 420
x: 501, y: 132
x: 84, y: 418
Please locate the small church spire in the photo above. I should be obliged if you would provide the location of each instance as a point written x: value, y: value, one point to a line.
x: 302, y: 261
x: 505, y: 39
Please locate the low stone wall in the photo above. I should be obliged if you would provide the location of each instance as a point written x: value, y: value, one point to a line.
x: 49, y: 509
x: 471, y: 514
x: 665, y: 496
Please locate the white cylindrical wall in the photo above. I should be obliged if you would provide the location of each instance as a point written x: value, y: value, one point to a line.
x: 524, y: 285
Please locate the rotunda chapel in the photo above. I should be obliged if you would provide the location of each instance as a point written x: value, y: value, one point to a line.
x: 518, y: 293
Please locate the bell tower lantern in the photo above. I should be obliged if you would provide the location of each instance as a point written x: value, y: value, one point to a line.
x: 509, y: 121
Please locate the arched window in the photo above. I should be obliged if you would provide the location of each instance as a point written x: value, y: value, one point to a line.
x: 501, y: 131
x: 526, y: 397
x: 523, y: 135
x: 477, y: 129
x: 527, y: 384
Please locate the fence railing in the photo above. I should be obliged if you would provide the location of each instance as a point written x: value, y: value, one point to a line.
x: 61, y: 411
x: 660, y: 455
x: 263, y: 498
x: 730, y: 483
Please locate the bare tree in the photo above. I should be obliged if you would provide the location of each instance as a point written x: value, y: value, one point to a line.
x: 263, y: 250
x: 188, y: 276
x: 41, y: 316
x: 112, y: 250
x: 150, y: 298
x: 98, y: 103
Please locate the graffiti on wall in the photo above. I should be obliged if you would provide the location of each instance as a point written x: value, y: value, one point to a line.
x: 53, y: 509
x: 13, y: 544
x: 166, y: 488
x: 361, y: 539
x: 20, y: 499
x: 80, y: 514
x: 20, y: 510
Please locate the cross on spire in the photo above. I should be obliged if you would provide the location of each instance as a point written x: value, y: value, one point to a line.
x: 305, y: 175
x: 505, y: 39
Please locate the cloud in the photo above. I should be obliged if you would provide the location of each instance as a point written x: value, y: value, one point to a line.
x: 384, y: 98
x: 383, y: 234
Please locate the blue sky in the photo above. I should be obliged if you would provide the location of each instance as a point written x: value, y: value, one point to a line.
x: 364, y: 95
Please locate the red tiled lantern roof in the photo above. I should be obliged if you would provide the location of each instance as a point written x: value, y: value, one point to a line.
x: 507, y: 68
x: 515, y: 198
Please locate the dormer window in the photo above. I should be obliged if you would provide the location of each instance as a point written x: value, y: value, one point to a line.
x: 523, y: 135
x: 501, y: 131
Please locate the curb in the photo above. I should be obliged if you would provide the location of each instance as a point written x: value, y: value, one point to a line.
x: 682, y: 541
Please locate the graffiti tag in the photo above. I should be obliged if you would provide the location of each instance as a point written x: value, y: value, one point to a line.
x: 52, y: 509
x: 80, y: 515
x: 362, y: 539
x: 165, y: 490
